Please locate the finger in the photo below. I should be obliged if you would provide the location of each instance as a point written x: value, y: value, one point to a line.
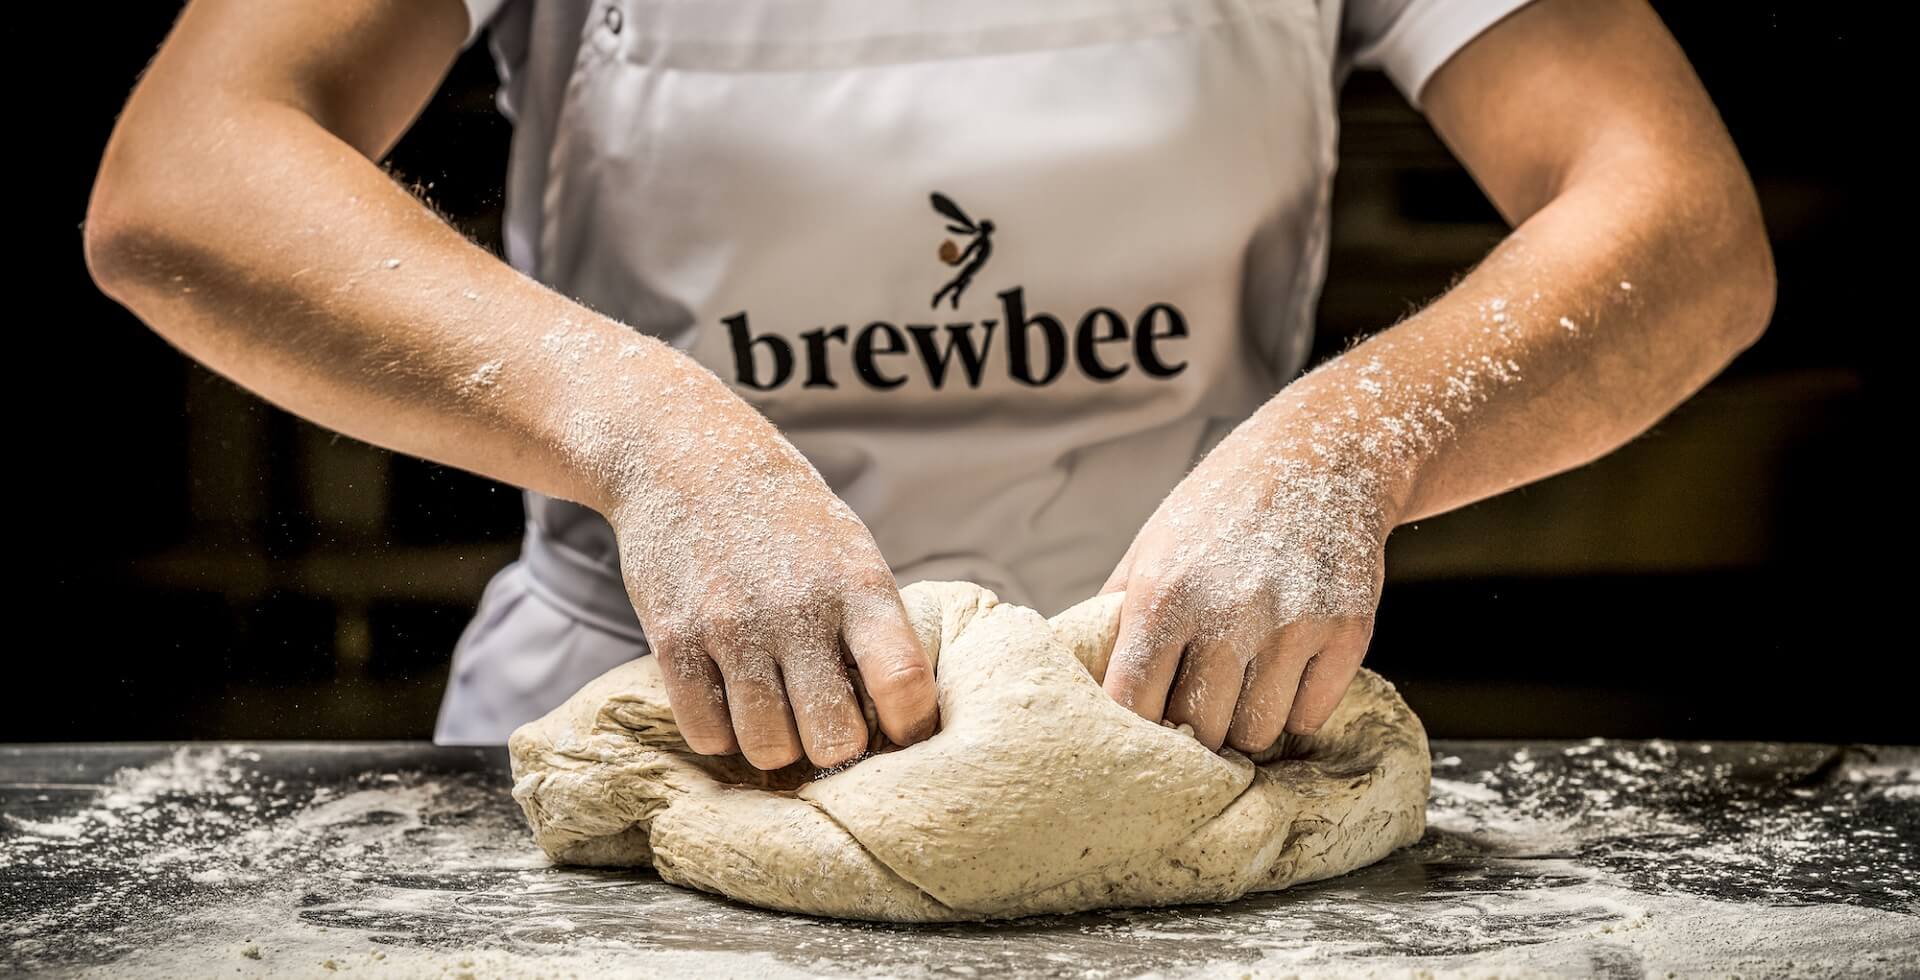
x: 895, y: 671
x: 698, y: 696
x: 1146, y: 654
x: 1328, y: 675
x: 825, y: 711
x: 1272, y: 682
x: 1206, y: 691
x: 757, y: 703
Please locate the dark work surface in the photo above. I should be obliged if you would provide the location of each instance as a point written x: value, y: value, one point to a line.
x: 1563, y: 858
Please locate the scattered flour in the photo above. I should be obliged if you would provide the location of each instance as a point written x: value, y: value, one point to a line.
x: 1570, y: 859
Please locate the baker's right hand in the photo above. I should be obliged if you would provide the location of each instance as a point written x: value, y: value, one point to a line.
x: 753, y: 582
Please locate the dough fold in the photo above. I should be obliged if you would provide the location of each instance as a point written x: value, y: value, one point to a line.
x: 1038, y: 794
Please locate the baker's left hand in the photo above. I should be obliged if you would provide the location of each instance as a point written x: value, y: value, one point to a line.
x: 1250, y: 592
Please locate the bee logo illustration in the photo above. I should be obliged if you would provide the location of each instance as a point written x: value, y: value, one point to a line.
x: 970, y: 258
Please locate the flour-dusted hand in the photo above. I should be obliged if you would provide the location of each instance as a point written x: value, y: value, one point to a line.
x: 754, y: 583
x: 1251, y: 590
x: 1638, y: 268
x: 355, y: 306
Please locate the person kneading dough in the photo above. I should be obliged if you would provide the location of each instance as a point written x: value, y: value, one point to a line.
x: 807, y: 299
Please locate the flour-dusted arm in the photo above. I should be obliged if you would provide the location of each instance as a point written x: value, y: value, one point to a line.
x: 240, y: 213
x: 1638, y: 268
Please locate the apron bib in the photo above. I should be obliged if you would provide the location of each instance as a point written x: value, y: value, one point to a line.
x: 1002, y: 270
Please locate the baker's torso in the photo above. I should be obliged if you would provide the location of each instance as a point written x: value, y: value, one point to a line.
x: 1001, y: 270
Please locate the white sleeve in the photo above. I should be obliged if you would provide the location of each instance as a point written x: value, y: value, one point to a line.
x: 1410, y: 39
x: 479, y: 13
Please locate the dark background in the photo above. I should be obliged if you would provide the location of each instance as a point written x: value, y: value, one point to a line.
x: 199, y: 565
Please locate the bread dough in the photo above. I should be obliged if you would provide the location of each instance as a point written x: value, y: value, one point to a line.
x: 1038, y: 794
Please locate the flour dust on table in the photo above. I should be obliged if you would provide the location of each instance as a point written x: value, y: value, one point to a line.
x: 405, y: 860
x: 1039, y: 794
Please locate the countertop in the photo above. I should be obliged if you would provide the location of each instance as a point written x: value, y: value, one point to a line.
x: 1607, y: 858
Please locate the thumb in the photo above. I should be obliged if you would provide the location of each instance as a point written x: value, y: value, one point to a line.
x: 893, y: 668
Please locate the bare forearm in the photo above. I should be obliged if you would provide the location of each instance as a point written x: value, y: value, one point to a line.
x: 1602, y: 312
x: 280, y: 256
x: 1639, y: 268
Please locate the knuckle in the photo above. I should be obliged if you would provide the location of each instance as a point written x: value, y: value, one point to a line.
x: 809, y: 662
x: 812, y: 585
x: 829, y: 751
x: 707, y: 741
x: 1248, y: 742
x: 1253, y: 724
x: 1229, y: 655
x: 670, y: 635
x: 1309, y: 721
x: 871, y: 579
x: 1131, y: 666
x: 703, y: 727
x: 688, y: 673
x: 1171, y: 602
x: 726, y: 655
x: 770, y: 753
x: 1160, y: 587
x: 796, y: 618
x: 1353, y: 631
x: 705, y: 732
x: 724, y: 623
x: 898, y: 675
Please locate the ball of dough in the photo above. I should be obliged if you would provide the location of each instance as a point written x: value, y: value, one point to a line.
x: 1038, y: 794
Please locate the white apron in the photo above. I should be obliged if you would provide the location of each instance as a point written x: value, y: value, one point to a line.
x: 1003, y: 270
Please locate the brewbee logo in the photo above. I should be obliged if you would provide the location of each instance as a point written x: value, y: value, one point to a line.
x: 978, y: 249
x: 1025, y: 343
